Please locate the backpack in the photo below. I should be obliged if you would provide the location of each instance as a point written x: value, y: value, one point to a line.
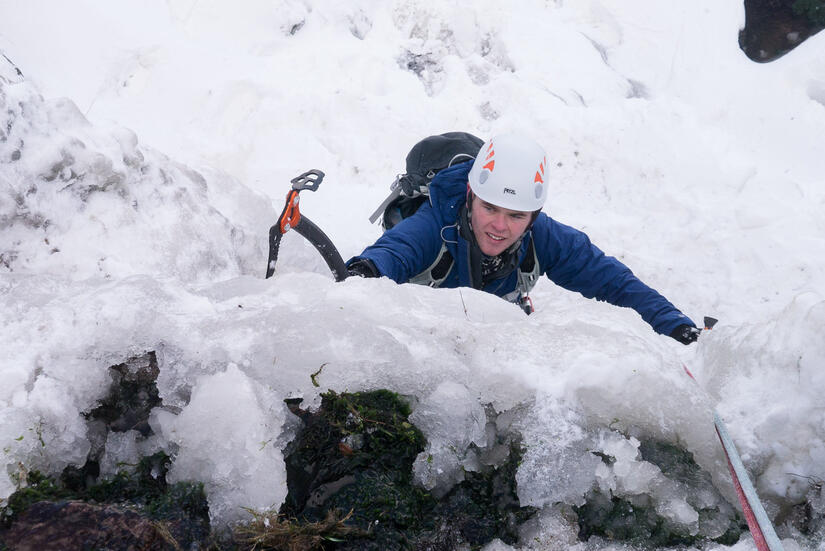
x: 410, y: 190
x: 426, y: 159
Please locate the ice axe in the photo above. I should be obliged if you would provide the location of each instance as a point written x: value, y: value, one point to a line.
x: 291, y: 219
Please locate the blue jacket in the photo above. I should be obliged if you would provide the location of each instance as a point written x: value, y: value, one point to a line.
x: 565, y: 255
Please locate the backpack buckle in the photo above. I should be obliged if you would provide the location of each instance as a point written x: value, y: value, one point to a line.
x: 526, y: 304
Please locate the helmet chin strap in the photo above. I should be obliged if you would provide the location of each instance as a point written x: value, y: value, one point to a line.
x: 469, y: 200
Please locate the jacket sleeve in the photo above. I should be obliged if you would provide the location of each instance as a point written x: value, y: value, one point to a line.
x: 407, y: 249
x: 571, y: 261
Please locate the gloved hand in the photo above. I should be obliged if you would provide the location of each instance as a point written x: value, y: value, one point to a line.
x: 362, y: 267
x: 686, y: 334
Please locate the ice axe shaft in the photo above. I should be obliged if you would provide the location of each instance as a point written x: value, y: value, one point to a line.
x: 761, y: 528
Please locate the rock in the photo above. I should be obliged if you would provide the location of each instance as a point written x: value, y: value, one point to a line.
x: 63, y: 525
x: 636, y: 519
x: 131, y: 397
x: 772, y: 29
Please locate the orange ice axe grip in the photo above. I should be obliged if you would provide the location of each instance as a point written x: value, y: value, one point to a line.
x: 291, y: 216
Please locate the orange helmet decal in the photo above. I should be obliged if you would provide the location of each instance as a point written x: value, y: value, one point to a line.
x: 490, y: 154
x: 540, y: 172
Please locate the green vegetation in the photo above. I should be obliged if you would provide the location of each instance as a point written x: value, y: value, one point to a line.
x: 145, y: 489
x: 39, y: 488
x: 356, y: 454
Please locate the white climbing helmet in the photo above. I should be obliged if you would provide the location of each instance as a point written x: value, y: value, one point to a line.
x: 510, y: 171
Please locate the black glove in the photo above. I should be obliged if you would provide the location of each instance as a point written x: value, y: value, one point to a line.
x: 686, y: 334
x: 362, y: 267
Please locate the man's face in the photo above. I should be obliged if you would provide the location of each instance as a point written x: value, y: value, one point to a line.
x: 497, y: 228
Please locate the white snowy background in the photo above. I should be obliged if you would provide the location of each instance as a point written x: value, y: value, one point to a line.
x: 148, y: 149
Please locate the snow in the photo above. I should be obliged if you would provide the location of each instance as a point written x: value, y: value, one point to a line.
x: 149, y: 146
x: 238, y: 463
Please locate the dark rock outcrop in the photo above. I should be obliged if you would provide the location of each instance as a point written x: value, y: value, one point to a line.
x: 773, y: 28
x: 131, y: 397
x: 57, y: 526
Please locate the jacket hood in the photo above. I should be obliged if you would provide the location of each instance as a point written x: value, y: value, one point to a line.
x: 448, y: 192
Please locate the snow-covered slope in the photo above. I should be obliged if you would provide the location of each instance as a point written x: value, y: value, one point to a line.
x: 699, y: 169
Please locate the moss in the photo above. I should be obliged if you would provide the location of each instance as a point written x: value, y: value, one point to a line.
x: 187, y: 498
x: 381, y: 416
x: 39, y: 488
x: 356, y: 454
x: 145, y: 489
x: 144, y: 485
x: 614, y: 518
x: 485, y: 505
